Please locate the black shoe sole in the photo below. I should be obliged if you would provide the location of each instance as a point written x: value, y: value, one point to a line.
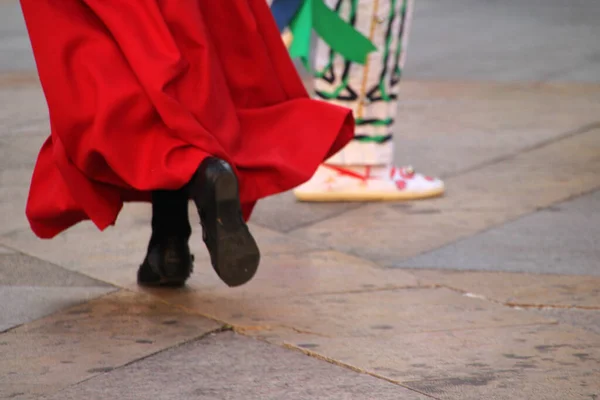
x: 236, y: 256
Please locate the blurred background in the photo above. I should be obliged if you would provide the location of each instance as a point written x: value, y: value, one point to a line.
x: 504, y: 40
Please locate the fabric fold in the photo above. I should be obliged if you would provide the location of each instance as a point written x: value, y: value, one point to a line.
x: 139, y: 93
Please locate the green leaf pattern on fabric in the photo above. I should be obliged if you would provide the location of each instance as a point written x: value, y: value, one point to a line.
x: 337, y: 33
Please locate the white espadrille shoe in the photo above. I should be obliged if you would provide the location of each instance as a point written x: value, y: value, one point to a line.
x: 335, y: 183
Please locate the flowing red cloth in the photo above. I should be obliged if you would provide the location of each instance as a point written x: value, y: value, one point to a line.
x: 141, y: 91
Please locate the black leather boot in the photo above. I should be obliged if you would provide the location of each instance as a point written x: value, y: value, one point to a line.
x: 168, y: 261
x: 233, y: 251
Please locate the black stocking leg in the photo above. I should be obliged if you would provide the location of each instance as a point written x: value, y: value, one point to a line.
x: 168, y: 261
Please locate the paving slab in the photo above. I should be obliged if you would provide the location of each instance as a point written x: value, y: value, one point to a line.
x: 24, y: 122
x: 585, y: 319
x: 368, y: 313
x: 31, y: 288
x: 21, y: 270
x: 532, y: 181
x: 70, y: 346
x: 14, y: 159
x: 229, y: 366
x: 517, y: 289
x: 274, y: 212
x: 15, y: 174
x: 562, y: 239
x: 287, y: 275
x: 445, y: 128
x: 22, y: 304
x: 24, y: 112
x: 14, y: 43
x: 476, y: 201
x: 517, y: 386
x: 534, y: 40
x: 391, y: 233
x: 6, y: 250
x: 12, y: 209
x: 518, y: 362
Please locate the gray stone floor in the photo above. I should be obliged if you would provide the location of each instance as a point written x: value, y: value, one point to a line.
x: 561, y: 239
x: 31, y: 288
x: 15, y: 52
x: 507, y: 40
x: 586, y: 319
x: 229, y: 366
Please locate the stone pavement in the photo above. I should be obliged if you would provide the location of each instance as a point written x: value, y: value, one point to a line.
x: 491, y: 292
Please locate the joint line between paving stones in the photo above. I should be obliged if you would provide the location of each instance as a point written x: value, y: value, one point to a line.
x: 551, y: 306
x: 352, y: 368
x: 513, y: 304
x: 563, y: 136
x: 12, y: 328
x: 245, y: 330
x: 226, y: 325
x: 375, y: 290
x: 52, y: 263
x: 484, y: 230
x: 330, y: 216
x: 550, y: 77
x: 221, y: 329
x: 550, y: 322
x: 181, y: 307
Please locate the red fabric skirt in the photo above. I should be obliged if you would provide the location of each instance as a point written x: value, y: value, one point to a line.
x: 140, y: 92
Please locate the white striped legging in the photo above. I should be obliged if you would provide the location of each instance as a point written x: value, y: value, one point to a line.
x: 370, y: 90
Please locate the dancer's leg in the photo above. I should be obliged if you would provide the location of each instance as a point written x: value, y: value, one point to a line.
x: 162, y: 95
x: 364, y: 169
